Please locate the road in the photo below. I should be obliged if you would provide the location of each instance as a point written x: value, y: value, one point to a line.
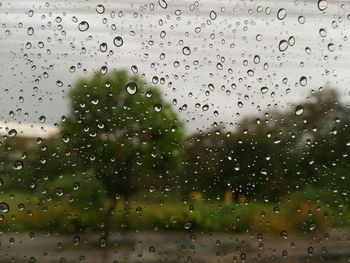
x: 334, y: 246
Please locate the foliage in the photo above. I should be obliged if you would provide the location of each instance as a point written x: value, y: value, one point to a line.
x: 124, y: 131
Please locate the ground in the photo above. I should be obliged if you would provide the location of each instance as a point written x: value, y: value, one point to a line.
x: 333, y: 246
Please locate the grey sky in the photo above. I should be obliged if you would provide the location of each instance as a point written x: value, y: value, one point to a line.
x: 240, y: 31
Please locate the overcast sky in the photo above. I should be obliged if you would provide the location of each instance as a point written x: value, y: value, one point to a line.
x: 234, y: 45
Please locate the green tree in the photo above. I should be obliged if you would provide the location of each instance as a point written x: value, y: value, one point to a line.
x: 122, y: 130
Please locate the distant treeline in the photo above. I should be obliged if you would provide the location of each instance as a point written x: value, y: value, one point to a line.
x: 139, y: 145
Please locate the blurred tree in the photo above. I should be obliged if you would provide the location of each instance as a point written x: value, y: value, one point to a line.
x: 124, y: 131
x: 202, y: 168
x: 257, y: 161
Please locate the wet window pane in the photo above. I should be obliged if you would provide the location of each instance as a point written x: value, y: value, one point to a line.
x: 174, y: 131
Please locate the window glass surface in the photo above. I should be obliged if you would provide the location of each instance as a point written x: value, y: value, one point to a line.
x: 174, y: 131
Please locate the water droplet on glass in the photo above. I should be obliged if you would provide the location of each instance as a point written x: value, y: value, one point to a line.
x: 186, y: 51
x: 301, y: 19
x: 118, y: 41
x: 322, y: 32
x: 12, y: 133
x: 59, y: 83
x: 134, y: 69
x: 283, y: 45
x: 163, y: 4
x: 42, y: 119
x: 4, y: 207
x: 139, y: 210
x: 256, y: 59
x: 59, y: 191
x: 291, y: 41
x: 100, y: 9
x: 18, y: 165
x: 131, y: 88
x: 331, y: 47
x: 303, y: 81
x: 259, y: 37
x: 151, y: 188
x: 308, y: 50
x: 103, y: 47
x: 65, y: 138
x: 83, y: 26
x: 157, y: 107
x: 212, y: 15
x: 264, y: 90
x: 102, y: 242
x: 322, y: 5
x: 30, y: 31
x: 104, y: 70
x: 188, y: 225
x: 299, y: 110
x: 76, y: 240
x: 284, y: 234
x: 281, y: 14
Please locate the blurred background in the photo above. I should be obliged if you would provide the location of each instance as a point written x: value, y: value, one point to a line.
x: 174, y: 131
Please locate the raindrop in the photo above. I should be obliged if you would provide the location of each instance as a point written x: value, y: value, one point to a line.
x: 59, y: 191
x: 134, y: 69
x: 18, y: 165
x: 301, y: 19
x: 12, y: 133
x: 256, y: 59
x: 104, y: 70
x: 322, y: 32
x: 303, y: 81
x: 186, y: 51
x: 205, y: 107
x: 100, y: 9
x: 131, y: 88
x: 76, y: 240
x: 42, y: 119
x: 322, y: 5
x: 284, y: 234
x: 259, y: 37
x: 188, y: 225
x: 151, y: 188
x: 102, y: 242
x: 163, y: 4
x: 308, y: 50
x: 83, y: 26
x: 299, y: 110
x: 250, y: 72
x: 211, y: 87
x: 139, y: 210
x: 65, y: 138
x: 59, y: 83
x: 291, y: 41
x: 103, y: 47
x: 4, y: 207
x: 157, y: 107
x: 118, y: 41
x: 331, y: 47
x: 283, y: 45
x: 212, y: 15
x: 264, y: 90
x: 30, y: 31
x: 281, y: 14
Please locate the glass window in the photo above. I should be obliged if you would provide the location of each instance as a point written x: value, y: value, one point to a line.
x: 174, y: 131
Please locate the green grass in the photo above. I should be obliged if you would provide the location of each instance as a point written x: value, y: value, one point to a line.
x: 30, y: 212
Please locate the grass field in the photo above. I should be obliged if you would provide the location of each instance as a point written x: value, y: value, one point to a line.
x: 65, y: 215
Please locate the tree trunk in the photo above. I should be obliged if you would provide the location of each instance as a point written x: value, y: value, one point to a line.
x: 108, y: 219
x: 125, y: 219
